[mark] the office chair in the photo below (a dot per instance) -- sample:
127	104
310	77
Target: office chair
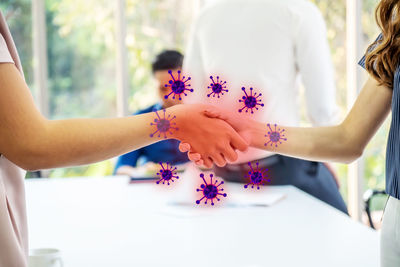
369	195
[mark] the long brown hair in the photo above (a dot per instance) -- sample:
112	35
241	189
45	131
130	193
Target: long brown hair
383	56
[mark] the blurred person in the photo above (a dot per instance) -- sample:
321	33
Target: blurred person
163	151
346	141
268	45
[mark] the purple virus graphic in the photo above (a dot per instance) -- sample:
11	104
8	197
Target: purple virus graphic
250	101
210	190
217	87
178	86
275	136
167	174
164	125
257	177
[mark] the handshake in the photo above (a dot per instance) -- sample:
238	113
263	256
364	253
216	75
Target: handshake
208	134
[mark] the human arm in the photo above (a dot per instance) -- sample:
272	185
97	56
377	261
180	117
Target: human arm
34	142
342	143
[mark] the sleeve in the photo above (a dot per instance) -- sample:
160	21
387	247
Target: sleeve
5	56
194	67
128	159
376	42
312	56
131	158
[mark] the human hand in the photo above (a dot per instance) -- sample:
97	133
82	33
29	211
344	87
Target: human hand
213	139
240	124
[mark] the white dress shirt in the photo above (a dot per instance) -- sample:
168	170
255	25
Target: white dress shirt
267	45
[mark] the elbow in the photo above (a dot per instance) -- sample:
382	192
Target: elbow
31	161
29	149
351	151
32	157
351	155
350	146
24	162
31	166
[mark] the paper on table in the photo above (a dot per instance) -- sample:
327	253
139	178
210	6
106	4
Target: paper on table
236	201
182	204
254	199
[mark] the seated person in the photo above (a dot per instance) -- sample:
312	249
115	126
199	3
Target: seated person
163	151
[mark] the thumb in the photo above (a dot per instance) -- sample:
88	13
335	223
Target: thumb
214	113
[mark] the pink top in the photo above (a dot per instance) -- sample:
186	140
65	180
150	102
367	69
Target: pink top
13	224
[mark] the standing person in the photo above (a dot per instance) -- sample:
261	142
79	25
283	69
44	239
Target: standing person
29	141
268	45
164	151
346	142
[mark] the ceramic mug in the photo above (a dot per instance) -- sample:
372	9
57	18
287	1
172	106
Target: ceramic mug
45	257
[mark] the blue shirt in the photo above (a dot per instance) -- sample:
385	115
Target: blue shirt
163	151
393	144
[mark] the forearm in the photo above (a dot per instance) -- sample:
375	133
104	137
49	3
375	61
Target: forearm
82	141
342	143
320	144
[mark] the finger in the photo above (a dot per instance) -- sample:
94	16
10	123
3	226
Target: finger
219	160
184	147
238	142
194	156
208	162
230	154
199	163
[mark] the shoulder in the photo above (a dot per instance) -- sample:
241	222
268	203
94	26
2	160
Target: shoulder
304	7
307	20
305	11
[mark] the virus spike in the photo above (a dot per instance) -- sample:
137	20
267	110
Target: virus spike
244	90
250	101
162	166
178	86
256	177
210	190
173	78
198	201
187	79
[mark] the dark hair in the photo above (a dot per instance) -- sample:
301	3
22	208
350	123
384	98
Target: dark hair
167	60
384	57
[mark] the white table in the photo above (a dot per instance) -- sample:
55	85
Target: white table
107	222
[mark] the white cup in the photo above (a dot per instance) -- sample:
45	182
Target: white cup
45	257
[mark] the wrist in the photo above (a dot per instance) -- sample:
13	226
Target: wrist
164	124
178	113
257	134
